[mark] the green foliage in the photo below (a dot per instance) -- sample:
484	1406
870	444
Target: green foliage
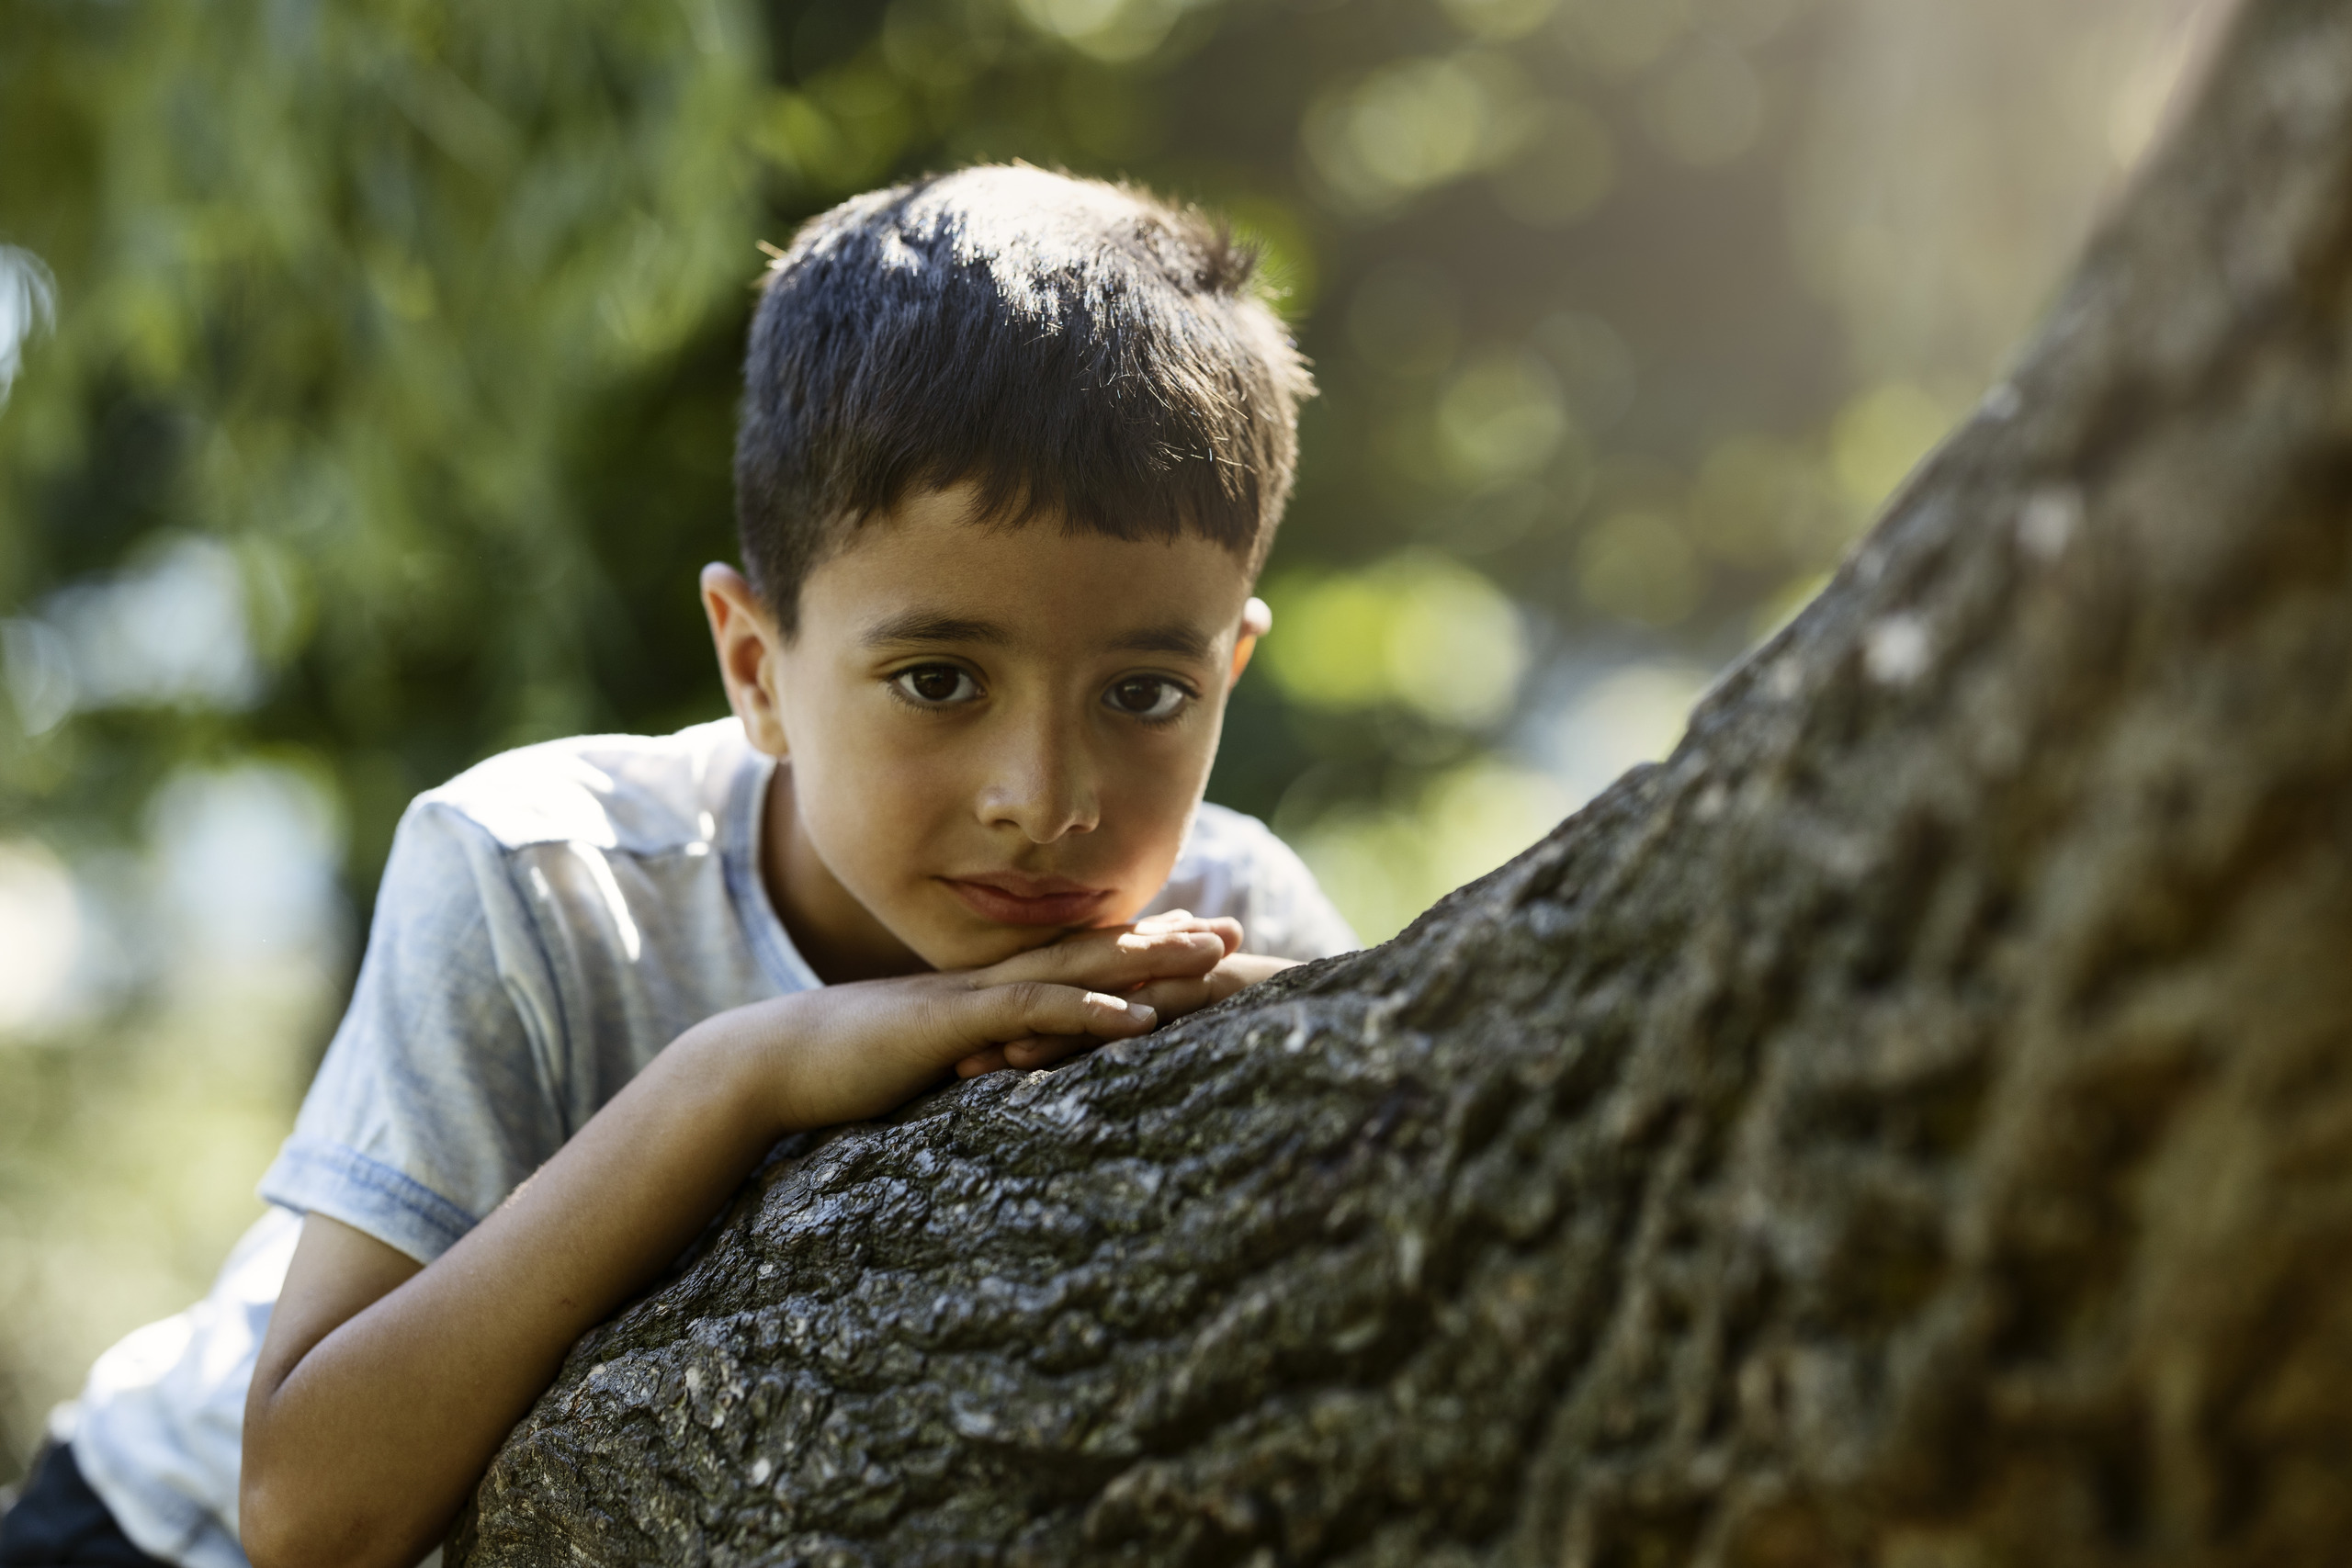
428	315
343	288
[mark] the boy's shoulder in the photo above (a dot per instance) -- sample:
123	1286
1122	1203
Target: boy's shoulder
1234	865
644	794
1219	834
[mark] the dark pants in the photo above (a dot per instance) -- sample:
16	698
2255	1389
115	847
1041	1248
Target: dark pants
57	1522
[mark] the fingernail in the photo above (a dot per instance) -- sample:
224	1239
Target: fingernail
1142	1014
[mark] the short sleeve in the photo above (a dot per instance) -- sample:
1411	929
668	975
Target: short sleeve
1234	865
437	1095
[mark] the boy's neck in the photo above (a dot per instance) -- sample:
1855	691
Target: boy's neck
838	936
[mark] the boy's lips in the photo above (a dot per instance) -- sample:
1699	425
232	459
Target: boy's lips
1011	898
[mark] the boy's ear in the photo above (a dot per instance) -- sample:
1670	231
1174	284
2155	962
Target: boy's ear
1257	620
743	637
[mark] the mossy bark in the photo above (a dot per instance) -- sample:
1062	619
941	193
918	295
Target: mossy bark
1911	1125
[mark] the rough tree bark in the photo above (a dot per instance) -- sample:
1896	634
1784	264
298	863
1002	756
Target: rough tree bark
1911	1125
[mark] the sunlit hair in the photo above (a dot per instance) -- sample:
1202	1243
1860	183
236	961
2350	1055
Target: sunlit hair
1068	347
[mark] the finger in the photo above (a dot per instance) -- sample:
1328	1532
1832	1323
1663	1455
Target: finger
1045	1050
1174	998
988	1061
1226	929
997	1015
1112	960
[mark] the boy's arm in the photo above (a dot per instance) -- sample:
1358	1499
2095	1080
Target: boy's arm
382	1389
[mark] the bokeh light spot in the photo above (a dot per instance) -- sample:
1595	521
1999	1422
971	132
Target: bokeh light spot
1638	567
40	936
1760	505
1416	631
247	857
1501	418
1455	647
1881	435
1330	645
1114	31
1415	124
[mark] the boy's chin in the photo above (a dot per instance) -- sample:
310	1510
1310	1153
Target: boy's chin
976	947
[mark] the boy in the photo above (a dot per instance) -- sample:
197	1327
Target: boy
1013	448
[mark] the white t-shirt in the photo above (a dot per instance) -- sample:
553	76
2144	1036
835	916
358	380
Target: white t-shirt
548	921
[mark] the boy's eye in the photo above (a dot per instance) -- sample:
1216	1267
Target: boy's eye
1147	697
936	685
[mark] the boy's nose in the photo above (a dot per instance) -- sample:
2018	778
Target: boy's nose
1042	782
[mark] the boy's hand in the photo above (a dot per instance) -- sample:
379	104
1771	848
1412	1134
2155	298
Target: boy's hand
849	1052
1170	997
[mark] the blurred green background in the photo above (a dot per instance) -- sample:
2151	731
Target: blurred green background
369	373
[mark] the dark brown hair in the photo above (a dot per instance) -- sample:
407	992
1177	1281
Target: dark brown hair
1066	346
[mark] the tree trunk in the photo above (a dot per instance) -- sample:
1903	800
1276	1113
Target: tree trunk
1912	1125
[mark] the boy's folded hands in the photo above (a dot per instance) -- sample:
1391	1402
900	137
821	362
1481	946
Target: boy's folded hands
853	1051
1182	973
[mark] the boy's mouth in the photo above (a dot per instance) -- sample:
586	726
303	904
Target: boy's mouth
1009	899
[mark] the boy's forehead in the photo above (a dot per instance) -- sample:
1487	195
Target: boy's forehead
927	573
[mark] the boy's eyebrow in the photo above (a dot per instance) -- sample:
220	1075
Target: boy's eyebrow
1177	638
930	625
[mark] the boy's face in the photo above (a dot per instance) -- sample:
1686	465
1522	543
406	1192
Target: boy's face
994	735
